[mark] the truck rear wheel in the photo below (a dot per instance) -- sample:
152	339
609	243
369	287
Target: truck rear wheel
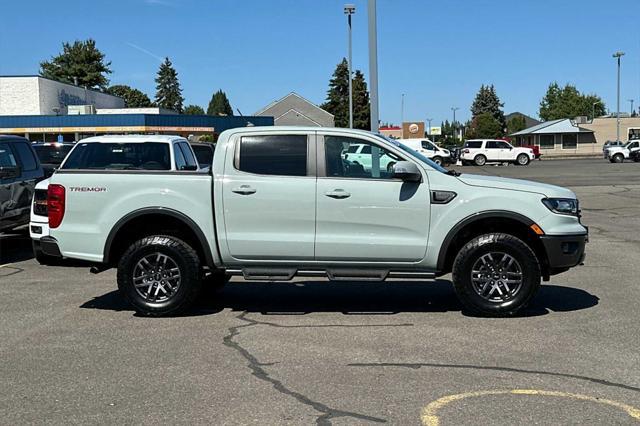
496	275
160	275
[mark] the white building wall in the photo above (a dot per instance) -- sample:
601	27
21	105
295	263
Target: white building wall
19	96
58	95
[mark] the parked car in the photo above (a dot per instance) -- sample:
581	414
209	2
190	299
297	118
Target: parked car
429	149
617	154
20	170
481	151
611	144
360	156
283	203
536	150
204	154
51	154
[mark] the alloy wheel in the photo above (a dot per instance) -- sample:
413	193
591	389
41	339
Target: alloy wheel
496	277
156	277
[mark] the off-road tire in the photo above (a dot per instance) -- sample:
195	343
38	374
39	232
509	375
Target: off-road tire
480	160
186	259
488	243
522	160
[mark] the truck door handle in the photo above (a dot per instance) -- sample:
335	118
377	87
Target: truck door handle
244	190
337	194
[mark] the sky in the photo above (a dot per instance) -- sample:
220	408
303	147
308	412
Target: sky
436	52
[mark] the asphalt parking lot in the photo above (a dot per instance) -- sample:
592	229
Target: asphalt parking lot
337	353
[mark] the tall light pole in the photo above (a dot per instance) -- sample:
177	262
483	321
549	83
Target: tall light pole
618	55
373	64
402	109
454	109
631	101
429	120
350	9
593	110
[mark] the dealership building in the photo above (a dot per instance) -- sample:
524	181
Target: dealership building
46	110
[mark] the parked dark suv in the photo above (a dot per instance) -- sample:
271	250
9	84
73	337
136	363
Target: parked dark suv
20	170
51	154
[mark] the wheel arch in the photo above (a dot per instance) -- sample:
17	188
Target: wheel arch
485	222
142	222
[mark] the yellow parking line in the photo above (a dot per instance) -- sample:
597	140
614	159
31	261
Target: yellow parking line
429	415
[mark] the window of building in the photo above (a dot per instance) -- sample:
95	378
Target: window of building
372	162
283	155
569	141
547	141
26	157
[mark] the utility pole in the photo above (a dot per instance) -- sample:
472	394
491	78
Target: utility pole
429	120
631	101
373	64
402	109
618	55
350	9
455	130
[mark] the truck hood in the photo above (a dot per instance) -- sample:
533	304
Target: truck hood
517	185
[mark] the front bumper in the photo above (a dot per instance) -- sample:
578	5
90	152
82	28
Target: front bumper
564	251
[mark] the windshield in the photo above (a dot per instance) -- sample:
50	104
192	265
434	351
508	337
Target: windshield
52	154
413	153
204	154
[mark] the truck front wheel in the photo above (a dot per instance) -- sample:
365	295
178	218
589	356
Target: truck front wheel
496	275
160	275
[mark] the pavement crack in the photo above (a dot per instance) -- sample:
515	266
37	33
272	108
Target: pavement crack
419	365
260	373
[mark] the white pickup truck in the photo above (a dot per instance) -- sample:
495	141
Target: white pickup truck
281	202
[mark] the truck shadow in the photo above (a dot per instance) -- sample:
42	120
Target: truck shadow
15	246
348	298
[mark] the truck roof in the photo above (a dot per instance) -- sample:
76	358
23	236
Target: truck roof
263	129
132	138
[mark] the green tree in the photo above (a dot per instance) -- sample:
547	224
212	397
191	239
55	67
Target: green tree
568	102
361	103
484	126
219	104
133	98
168	91
337	102
515	124
193	110
79	63
487	102
338	95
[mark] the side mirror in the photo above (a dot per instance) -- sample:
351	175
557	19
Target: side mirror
407	171
9	172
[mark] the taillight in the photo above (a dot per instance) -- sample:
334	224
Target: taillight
55	205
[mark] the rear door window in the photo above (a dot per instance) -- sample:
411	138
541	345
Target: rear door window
189	159
473	144
283	155
119	156
26	156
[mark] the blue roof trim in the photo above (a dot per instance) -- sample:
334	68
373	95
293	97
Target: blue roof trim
219	123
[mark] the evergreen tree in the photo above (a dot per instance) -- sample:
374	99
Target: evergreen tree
361	103
487	101
515	124
338	95
484	126
568	102
193	110
168	91
219	104
338	98
133	98
79	63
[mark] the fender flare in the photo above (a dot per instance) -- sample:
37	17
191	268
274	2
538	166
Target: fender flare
446	243
161	211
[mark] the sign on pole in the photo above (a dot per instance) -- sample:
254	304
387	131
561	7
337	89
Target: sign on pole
436	131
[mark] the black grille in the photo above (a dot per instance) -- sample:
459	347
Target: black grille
40	202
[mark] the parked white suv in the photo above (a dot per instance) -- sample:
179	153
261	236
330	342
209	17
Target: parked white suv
617	154
428	149
481	151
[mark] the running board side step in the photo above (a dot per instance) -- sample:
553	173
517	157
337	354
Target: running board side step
338	274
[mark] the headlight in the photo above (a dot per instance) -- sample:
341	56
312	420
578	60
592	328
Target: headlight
568	206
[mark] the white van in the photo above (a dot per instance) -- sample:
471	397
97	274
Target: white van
428	149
